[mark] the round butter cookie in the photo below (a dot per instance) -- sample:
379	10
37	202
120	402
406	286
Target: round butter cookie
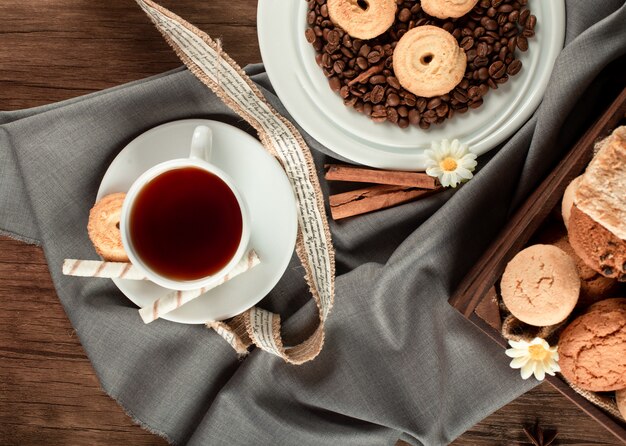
540	286
428	61
363	19
592	348
104	228
443	9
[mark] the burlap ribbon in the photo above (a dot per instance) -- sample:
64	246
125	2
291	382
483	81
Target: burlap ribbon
206	60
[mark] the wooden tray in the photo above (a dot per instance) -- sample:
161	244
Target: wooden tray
473	294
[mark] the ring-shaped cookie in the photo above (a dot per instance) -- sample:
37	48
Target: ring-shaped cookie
428	61
443	9
363	19
104	230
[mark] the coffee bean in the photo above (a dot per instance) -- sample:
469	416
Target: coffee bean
502	54
324	10
433	103
502	79
335	83
373	57
310	35
346	41
442	110
338	66
491	12
514	16
514	67
393	100
414	117
364	50
393	82
522	43
531	22
523	16
512	44
528	33
467	43
377	94
326	60
317	45
367	109
497	69
378	79
403	123
485	3
473	93
333	37
481	49
481	62
310	18
403	111
362	62
508	27
448	26
492	84
477	103
496	3
344	92
404	15
392	115
479	31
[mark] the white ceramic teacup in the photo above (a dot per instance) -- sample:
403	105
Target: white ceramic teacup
199	156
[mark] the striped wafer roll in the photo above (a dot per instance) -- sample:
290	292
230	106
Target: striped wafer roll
97	268
176	299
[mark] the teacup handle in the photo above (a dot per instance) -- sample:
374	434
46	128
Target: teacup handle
201	143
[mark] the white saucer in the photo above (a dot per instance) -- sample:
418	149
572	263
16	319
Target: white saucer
302	87
266	189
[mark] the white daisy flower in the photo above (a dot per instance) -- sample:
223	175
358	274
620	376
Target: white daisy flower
451	162
535	357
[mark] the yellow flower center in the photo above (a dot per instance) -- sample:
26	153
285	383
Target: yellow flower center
448	164
538	352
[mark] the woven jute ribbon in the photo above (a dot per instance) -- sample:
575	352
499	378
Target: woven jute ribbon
206	60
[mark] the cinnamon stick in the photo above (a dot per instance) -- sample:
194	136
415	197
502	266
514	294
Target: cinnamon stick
367	74
374	198
339	172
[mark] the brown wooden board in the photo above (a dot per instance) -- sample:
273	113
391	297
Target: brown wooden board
475	288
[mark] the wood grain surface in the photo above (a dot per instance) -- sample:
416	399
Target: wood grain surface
58	49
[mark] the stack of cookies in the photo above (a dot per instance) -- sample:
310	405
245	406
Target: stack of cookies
573	288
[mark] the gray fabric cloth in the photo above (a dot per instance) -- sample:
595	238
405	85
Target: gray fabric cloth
398	359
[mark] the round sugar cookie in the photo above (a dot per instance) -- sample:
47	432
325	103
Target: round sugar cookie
428	61
363	19
104	230
540	285
443	9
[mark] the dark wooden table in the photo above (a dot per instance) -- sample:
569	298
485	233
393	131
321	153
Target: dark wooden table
58	49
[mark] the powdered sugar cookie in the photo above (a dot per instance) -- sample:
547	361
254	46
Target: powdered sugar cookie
363	19
104	230
428	61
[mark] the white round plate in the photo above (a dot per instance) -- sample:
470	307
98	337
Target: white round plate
267	192
302	87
